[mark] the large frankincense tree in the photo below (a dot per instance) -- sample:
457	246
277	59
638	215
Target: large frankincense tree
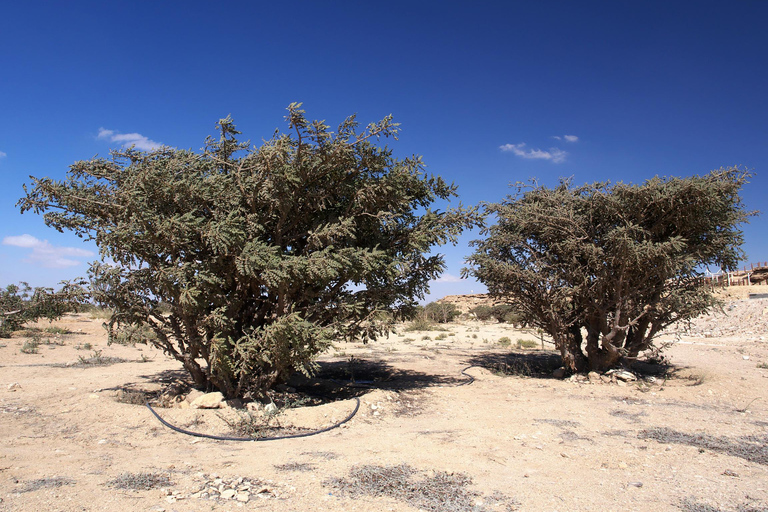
247	262
617	262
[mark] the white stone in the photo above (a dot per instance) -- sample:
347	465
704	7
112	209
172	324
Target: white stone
208	401
228	494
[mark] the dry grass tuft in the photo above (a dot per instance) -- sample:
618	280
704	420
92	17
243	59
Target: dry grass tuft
751	448
45	483
140	481
444	492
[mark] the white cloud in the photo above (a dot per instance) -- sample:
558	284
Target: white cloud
45	254
3	154
129	139
447	278
554	154
571	138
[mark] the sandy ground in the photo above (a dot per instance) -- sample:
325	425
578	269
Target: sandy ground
425	438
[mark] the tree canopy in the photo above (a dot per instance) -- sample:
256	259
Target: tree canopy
246	262
617	262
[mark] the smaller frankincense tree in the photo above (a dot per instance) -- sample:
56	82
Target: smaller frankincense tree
617	262
247	262
20	303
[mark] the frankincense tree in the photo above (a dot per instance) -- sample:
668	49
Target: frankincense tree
615	262
246	262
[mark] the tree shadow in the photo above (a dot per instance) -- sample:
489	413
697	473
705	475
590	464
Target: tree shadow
530	363
341	380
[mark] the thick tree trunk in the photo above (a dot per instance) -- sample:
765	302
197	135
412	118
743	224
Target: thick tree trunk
570	350
601	355
199	376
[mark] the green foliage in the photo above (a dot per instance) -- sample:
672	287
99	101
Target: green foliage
522	343
620	261
246	262
504	341
31	346
20	304
482	312
441	312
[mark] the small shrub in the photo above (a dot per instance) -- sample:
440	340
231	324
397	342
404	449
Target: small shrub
504	342
521	343
30	346
441	336
45	483
420	323
96	359
426	338
140	481
132	397
438	491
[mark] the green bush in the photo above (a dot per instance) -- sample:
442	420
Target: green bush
482	312
248	262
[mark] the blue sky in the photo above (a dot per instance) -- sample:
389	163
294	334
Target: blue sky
488	93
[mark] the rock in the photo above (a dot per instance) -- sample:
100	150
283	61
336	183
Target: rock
14	386
625	376
270	409
228	494
208	401
559	373
593	377
636	484
243	496
194	394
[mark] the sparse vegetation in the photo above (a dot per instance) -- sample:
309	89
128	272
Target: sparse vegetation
523	343
140	481
45	483
753	448
449	492
97	359
30	346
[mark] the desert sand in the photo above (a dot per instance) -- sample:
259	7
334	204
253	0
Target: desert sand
692	436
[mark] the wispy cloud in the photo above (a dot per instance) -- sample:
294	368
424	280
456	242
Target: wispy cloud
553	154
448	278
129	139
566	138
45	254
3	154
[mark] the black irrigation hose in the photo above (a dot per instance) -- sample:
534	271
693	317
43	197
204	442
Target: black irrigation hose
292	436
275	438
464	373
